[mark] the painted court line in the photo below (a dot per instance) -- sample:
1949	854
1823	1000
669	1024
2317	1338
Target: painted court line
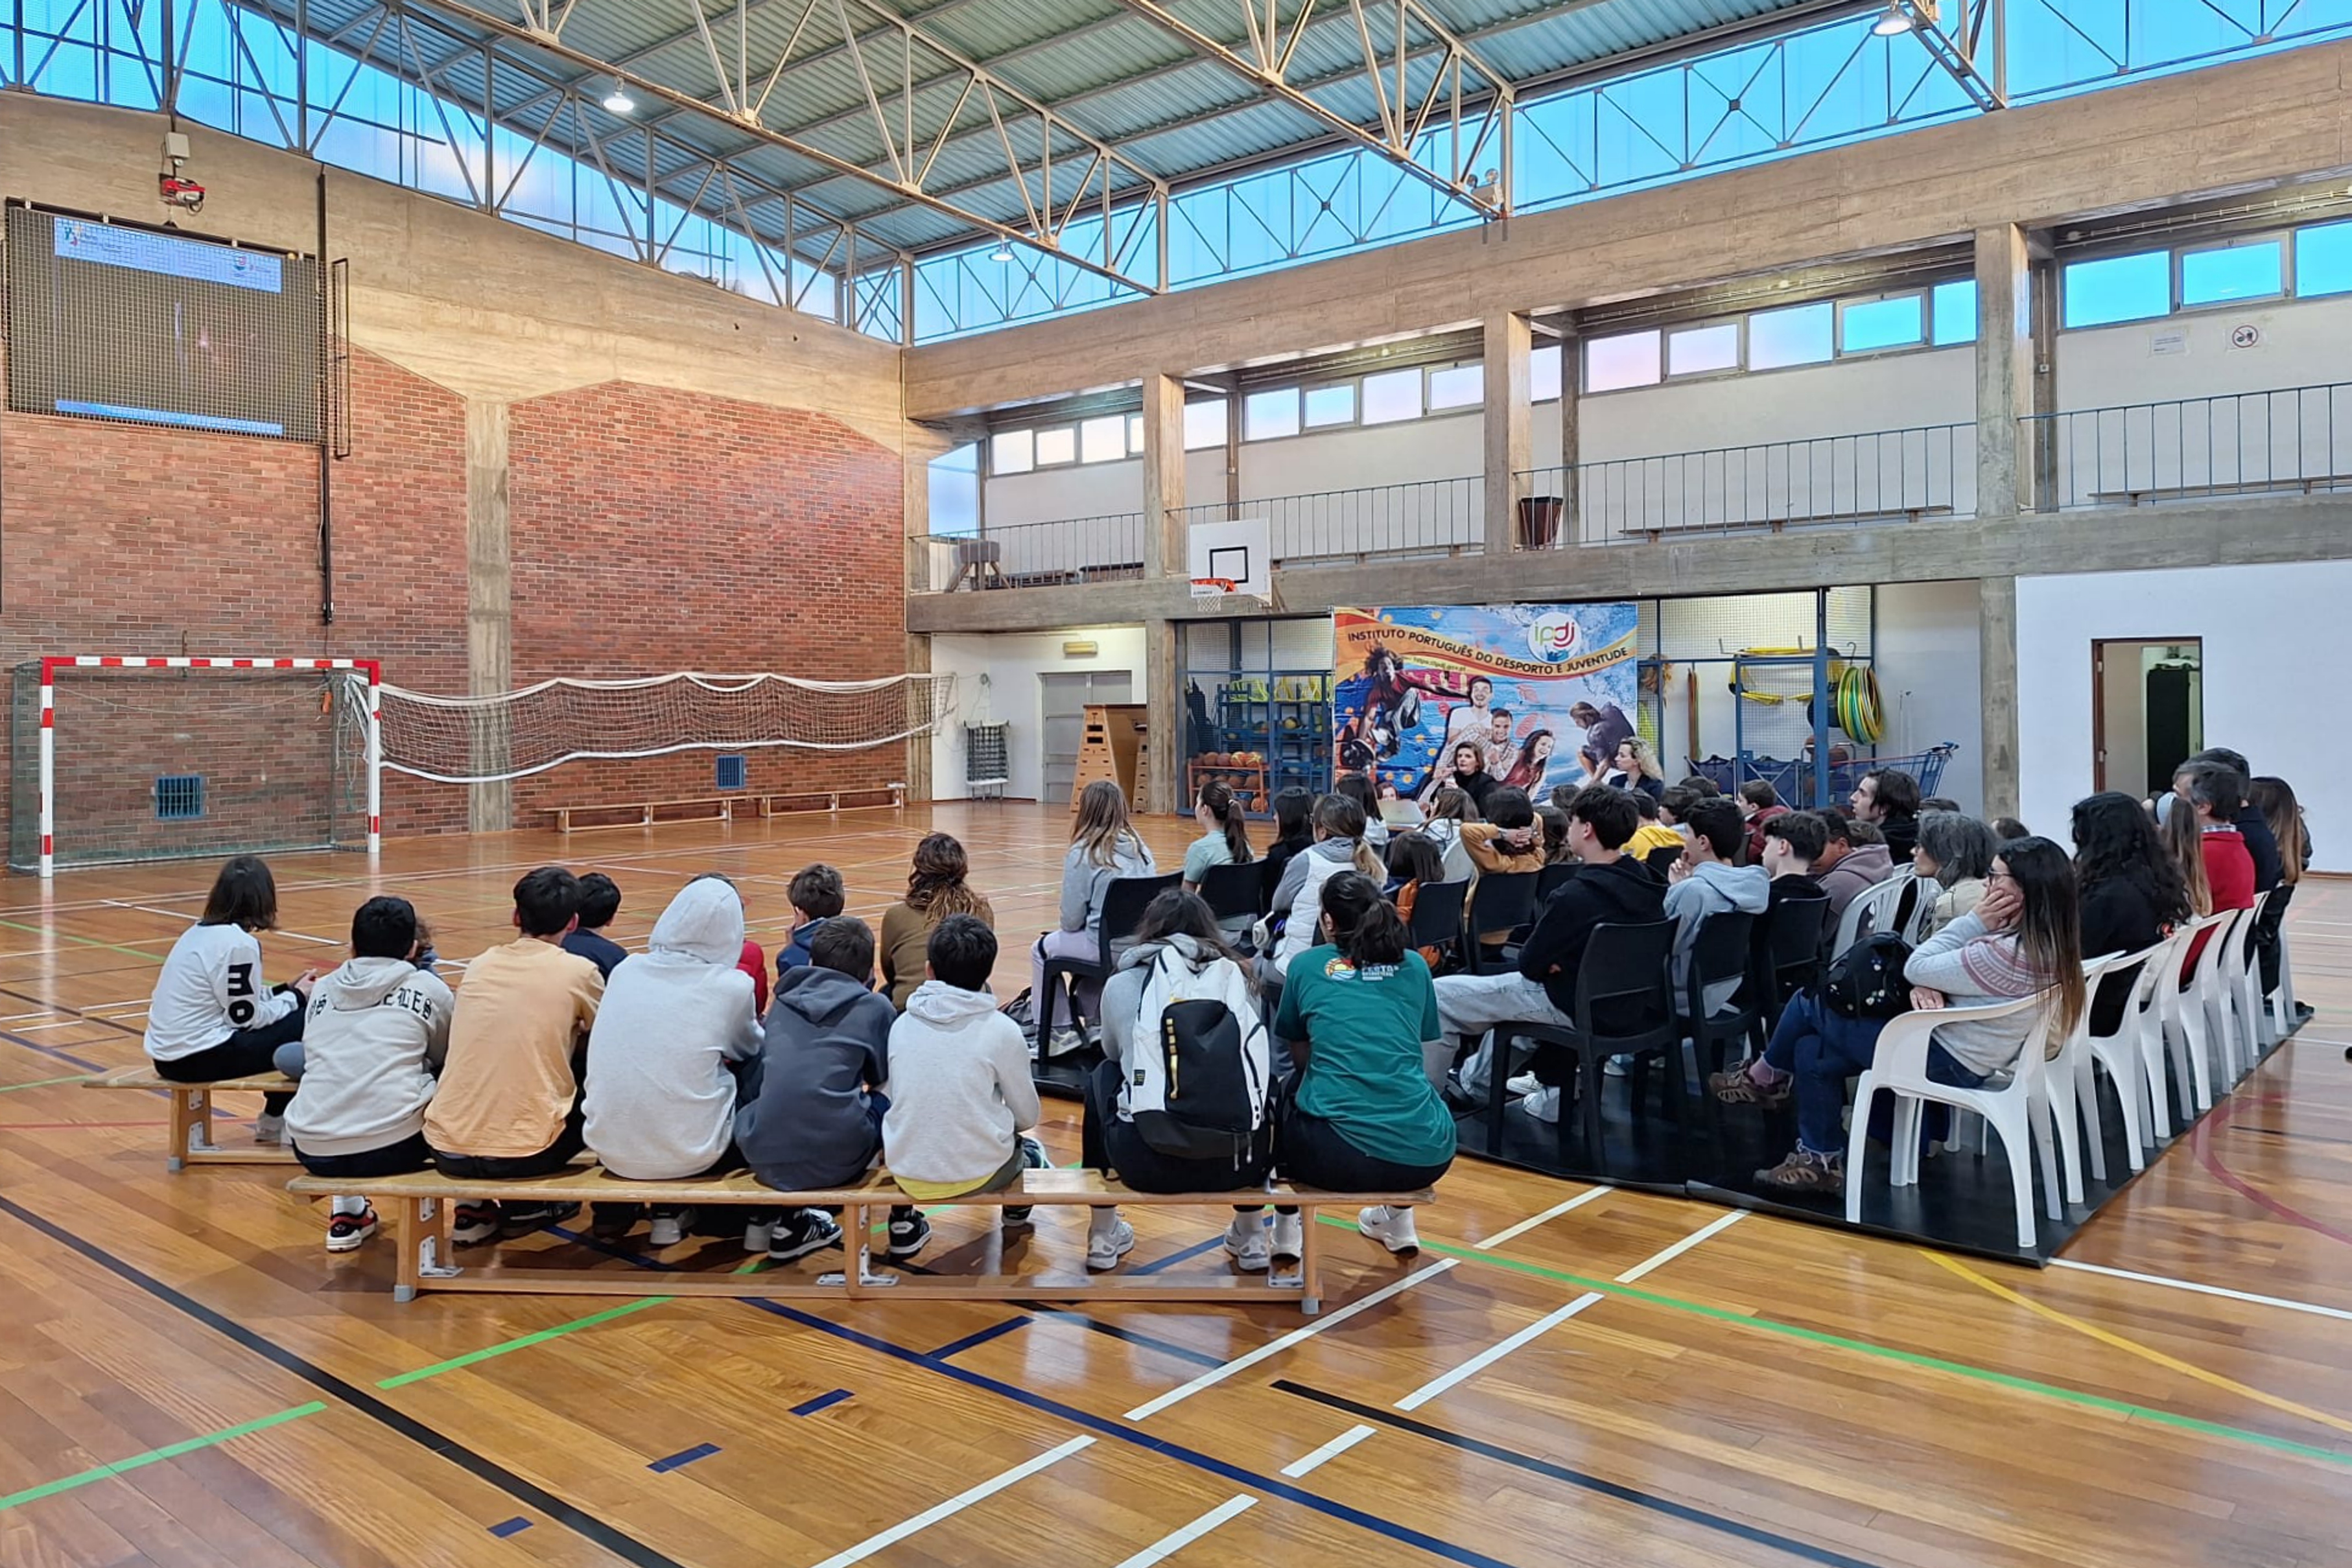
1497	1352
1167	1545
1332	1451
954	1505
2204	1290
1546	1217
1179	1395
682	1459
1659	1260
153	1456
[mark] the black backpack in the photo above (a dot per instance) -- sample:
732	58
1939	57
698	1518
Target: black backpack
1865	982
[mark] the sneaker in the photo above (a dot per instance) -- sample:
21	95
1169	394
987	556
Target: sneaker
801	1232
1738	1086
758	1232
1458	1094
1287	1244
347	1232
1245	1239
268	1131
1063	1041
1805	1171
1391	1227
1543	1105
610	1222
1106	1245
1017	1216
523	1219
473	1223
909	1232
670	1226
1522	1085
1616	1065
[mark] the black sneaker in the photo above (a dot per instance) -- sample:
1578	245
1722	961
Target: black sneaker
613	1221
347	1232
473	1223
909	1232
523	1219
801	1232
1035	1157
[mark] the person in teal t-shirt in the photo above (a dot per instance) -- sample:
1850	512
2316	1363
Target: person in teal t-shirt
1363	1115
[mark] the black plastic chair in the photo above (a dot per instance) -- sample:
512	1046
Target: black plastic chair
1721	951
1437	914
1785	958
1661	859
1551	879
1499	901
1124	901
1231	891
1630	966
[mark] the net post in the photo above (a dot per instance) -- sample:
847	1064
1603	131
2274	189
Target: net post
48	767
374	757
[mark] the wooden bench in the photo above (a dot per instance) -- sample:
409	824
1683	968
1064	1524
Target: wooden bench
714	808
1659	533
2307	485
192	1115
420	1208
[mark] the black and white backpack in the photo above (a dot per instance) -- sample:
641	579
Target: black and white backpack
1865	982
1197	1090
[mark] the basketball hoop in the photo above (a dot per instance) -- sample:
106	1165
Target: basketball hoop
1213	587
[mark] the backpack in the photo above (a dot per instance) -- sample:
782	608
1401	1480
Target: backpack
1865	982
1197	1087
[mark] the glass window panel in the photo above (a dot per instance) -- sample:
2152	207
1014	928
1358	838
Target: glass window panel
1135	434
955	491
1695	351
1543	374
1799	335
1103	440
1868	324
1458	386
2119	288
2323	260
1391	396
1629	359
1956	311
1057	444
1205	425
1012	452
1268	414
2233	272
1331	405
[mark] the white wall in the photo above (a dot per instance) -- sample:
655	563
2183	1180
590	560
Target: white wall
1013	662
2275	638
1087	490
1930	681
2302	345
1440	460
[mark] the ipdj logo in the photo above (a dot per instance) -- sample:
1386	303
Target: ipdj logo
1551	636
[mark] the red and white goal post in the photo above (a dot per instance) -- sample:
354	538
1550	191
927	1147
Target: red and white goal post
372	711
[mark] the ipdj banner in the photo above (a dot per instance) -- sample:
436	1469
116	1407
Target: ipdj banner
1544	691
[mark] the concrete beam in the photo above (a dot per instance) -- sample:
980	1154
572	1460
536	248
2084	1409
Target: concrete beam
1509	428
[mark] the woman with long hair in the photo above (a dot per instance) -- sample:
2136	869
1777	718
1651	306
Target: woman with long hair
2131	891
1104	847
1956	852
213	1015
2275	799
1176	929
1359	788
1470	775
1359	1015
1448	811
1224	833
1528	769
1635	767
1294	830
1338	846
2022	940
936	889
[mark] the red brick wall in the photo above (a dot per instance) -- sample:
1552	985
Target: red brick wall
656	531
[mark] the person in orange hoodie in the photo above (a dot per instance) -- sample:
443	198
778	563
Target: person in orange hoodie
1509	839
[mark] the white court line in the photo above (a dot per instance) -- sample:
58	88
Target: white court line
1494	1353
1169	1546
2204	1290
1554	1212
177	914
1218	1375
1657	1259
956	1504
1328	1452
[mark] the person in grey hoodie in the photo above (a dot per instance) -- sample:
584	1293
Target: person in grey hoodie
676	1021
1298	897
1855	859
960	1093
1104	847
1709	880
377	1031
809	1114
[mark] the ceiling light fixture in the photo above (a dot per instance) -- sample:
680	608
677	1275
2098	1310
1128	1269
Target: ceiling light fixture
1002	253
1893	22
618	100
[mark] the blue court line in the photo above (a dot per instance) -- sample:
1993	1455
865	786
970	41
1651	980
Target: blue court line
50	1051
683	1457
1175	1258
957	1347
1120	1332
821	1402
509	1527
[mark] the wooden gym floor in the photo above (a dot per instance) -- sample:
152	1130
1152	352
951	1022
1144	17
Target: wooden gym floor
1566	1374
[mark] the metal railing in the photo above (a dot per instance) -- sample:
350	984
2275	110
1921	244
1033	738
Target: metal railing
1873	477
1381	522
2285	439
1107	548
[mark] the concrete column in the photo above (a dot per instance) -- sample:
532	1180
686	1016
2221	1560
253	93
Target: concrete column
1510	439
917	448
489	597
1571	384
1997	664
1233	449
1163	478
1163	716
2004	371
920	786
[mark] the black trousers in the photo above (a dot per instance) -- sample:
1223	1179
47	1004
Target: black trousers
394	1159
1116	1148
506	1167
1310	1151
245	1054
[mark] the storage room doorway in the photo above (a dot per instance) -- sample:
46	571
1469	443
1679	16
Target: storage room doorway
1065	699
2147	711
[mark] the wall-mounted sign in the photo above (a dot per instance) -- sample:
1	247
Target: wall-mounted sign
2246	336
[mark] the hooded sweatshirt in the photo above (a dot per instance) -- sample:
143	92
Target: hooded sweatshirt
377	1029
1085	882
1300	897
812	1122
661	1099
960	1088
1616	893
1863	868
1122	1003
1712	888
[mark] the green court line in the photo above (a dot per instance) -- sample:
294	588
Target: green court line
44	1082
153	1456
1886	1352
490	1352
70	936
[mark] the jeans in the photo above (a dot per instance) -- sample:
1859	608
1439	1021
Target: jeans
394	1159
244	1054
1824	1049
506	1167
1474	1004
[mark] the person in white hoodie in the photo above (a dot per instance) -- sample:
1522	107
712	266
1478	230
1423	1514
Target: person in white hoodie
674	1021
961	1098
1709	880
1104	847
377	1031
1338	846
213	1016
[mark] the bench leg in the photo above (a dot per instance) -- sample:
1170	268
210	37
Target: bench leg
192	1112
1310	1263
421	1230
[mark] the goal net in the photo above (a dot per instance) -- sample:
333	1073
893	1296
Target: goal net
163	759
513	735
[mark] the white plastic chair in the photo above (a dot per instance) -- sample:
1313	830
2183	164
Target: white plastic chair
2012	1108
2122	1054
2189	1013
1876	906
2283	998
2071	1092
2243	974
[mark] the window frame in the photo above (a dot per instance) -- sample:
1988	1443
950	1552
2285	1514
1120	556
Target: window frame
1748	337
2066	287
1307	421
1667	335
1923	296
1029	464
1363	399
1584	362
1223	405
1098	421
1429	409
1297	410
1037	436
1557	350
1135	434
2282	238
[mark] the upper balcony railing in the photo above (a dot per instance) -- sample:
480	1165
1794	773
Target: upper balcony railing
1354	527
2291	440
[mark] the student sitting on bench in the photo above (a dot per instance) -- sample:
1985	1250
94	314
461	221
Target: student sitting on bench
378	1030
600	901
212	1016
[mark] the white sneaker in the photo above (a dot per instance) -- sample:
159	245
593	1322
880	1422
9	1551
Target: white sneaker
1523	1083
268	1131
1245	1239
669	1225
756	1233
1063	1041
1543	1105
1391	1227
1288	1243
1616	1065
1106	1245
